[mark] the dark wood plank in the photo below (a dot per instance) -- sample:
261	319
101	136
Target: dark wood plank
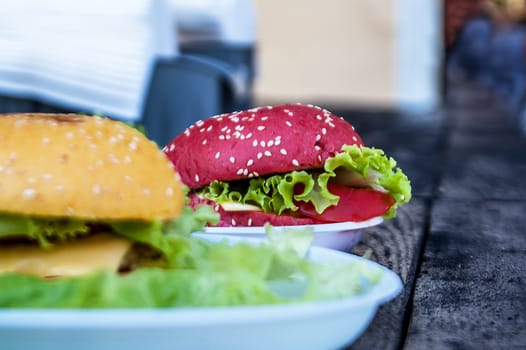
480	175
395	244
470	293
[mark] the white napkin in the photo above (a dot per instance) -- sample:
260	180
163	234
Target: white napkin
93	56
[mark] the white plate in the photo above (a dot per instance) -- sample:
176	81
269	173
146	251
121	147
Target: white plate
341	236
302	326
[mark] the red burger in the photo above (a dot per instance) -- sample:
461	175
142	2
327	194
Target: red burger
291	164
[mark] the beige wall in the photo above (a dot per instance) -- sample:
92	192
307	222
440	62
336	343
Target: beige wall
334	51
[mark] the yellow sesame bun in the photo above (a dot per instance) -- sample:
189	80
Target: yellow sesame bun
67	165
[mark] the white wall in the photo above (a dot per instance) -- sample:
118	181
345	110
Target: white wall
384	53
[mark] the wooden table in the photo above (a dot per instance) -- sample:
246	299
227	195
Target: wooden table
460	244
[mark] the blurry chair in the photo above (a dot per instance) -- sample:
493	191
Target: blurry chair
184	90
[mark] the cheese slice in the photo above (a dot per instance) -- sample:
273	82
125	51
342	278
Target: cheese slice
234	206
78	257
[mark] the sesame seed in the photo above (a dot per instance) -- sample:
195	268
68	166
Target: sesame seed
199	123
46	176
318	117
169	192
295	162
127	159
95	189
267	153
262	143
227	137
264	118
187	132
209	128
283	151
239	171
1	168
278	141
261	127
255	143
288	123
221	137
290	114
255	173
260	155
250	162
196	177
318	137
249	135
204	141
319	158
249	223
146	191
232	159
233	222
354	139
45	140
29	193
31	180
323	131
270	143
133	145
127	177
172	147
245	172
113	158
317	148
218	154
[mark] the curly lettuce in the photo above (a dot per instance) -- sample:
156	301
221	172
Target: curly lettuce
358	166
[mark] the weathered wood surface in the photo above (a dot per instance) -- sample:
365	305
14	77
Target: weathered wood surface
460	245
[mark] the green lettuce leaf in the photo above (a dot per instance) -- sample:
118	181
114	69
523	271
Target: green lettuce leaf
368	167
211	274
41	229
165	237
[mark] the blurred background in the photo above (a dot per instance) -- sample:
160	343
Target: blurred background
165	64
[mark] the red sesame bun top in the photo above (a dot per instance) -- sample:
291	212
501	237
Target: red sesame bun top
257	142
